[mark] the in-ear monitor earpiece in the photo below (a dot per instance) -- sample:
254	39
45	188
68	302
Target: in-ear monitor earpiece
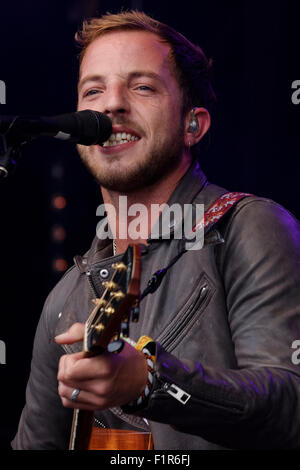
193	126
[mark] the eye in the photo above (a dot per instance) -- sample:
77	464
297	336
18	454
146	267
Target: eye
90	92
144	88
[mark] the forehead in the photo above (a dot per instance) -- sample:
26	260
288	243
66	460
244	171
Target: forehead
124	50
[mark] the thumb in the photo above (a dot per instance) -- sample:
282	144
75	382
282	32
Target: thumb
72	335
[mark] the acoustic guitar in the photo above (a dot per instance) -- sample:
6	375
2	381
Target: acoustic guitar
109	318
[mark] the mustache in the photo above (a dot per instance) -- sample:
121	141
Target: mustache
123	121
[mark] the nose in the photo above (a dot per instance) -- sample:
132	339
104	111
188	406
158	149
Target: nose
115	101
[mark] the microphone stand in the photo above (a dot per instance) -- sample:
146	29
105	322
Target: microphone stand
9	156
10	151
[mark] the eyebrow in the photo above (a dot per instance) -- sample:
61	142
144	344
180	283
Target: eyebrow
132	75
146	73
90	78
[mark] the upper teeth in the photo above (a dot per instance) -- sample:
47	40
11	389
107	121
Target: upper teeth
120	138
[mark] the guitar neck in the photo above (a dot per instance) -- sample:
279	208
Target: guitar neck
103	327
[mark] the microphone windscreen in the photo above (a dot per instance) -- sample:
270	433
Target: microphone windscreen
86	127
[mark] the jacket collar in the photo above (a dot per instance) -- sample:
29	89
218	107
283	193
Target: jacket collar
192	182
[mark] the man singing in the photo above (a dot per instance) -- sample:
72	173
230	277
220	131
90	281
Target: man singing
220	326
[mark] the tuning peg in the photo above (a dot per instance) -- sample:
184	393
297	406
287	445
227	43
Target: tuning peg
125	327
99	327
99	302
119	266
119	295
109	311
110	285
135	313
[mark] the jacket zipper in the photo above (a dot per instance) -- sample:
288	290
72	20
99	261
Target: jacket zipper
91	284
99	423
176	392
168	337
183	397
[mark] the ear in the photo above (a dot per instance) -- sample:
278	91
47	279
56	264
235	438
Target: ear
202	117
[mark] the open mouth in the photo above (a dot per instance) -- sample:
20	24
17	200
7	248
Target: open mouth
120	138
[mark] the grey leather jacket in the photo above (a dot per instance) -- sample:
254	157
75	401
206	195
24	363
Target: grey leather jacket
224	320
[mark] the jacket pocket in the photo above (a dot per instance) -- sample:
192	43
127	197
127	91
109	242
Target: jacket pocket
185	319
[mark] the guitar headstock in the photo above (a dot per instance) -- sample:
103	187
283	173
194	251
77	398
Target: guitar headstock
113	308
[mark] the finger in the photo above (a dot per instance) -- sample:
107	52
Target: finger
66	366
85	399
75	333
79	368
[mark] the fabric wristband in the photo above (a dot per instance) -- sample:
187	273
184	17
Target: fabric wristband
148	347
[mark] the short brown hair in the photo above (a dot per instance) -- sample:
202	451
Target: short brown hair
191	67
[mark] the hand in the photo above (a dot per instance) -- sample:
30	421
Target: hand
104	381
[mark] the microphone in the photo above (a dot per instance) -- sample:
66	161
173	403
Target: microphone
83	127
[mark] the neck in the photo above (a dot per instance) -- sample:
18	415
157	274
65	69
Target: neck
133	224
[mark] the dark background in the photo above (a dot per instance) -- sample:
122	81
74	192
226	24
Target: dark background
254	146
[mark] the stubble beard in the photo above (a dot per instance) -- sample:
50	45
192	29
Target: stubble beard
161	160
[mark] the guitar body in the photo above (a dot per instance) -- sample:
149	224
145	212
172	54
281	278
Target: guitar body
102	330
119	439
86	436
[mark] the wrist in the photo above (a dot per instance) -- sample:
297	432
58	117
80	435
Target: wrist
148	348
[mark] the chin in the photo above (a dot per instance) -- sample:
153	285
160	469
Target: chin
122	174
